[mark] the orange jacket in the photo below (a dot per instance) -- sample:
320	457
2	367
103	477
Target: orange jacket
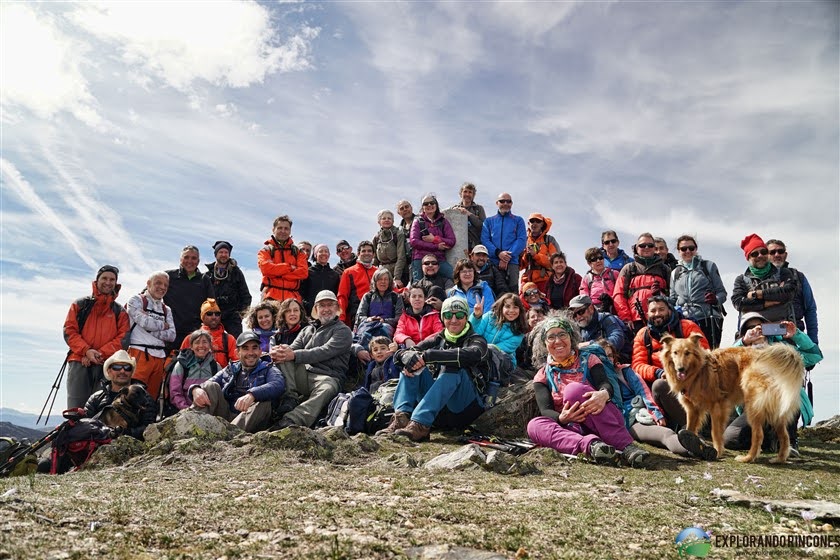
537	267
218	345
283	268
355	283
647	368
102	331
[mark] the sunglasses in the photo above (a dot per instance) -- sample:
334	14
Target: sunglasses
342	249
580	311
645	245
609	241
534	221
757	252
594	259
214	313
688	248
122	367
505	201
532	292
458	315
778	251
430	263
429	203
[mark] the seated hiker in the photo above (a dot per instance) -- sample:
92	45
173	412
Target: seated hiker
224	345
524	353
117	369
599	282
431	237
381	367
243	392
355	283
469	286
442	382
487	271
291	318
594	325
419	320
193	366
503	327
638	281
379	310
531	296
262	319
738	435
432	276
563	284
315	364
578	406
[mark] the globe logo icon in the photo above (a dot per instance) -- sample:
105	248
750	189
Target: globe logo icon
693	541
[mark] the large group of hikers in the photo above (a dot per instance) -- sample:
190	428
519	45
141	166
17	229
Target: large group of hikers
433	342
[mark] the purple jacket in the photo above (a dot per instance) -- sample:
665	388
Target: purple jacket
440	228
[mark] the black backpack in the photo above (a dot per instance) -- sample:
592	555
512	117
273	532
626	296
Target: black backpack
77	440
85	305
350	411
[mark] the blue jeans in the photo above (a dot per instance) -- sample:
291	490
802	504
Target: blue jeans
445	269
424	398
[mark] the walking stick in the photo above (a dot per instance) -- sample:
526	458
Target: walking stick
54	391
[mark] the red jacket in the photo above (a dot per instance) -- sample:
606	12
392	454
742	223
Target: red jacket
635	283
218	345
102	331
417	328
283	269
354	283
647	368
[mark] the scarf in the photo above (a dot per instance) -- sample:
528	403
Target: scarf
647	261
762	273
453	338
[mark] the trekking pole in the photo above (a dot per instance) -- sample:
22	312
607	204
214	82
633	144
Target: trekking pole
53	392
20	454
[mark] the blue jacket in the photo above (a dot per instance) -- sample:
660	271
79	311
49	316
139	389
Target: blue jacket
619	261
386	370
611	328
480	288
266	381
504	232
500	336
632	386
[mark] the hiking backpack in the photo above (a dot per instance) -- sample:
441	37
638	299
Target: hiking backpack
165	406
350	411
77	440
85	306
126	340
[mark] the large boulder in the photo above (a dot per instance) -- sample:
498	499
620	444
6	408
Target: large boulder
515	406
190	424
472	457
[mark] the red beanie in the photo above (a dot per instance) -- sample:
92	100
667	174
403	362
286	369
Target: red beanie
751	243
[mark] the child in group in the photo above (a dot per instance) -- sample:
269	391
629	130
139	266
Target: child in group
531	295
389	247
524	353
419	321
262	319
381	367
504	327
380	309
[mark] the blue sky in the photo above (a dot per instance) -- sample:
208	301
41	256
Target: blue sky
132	129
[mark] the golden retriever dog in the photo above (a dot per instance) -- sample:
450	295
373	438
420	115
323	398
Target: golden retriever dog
765	380
126	409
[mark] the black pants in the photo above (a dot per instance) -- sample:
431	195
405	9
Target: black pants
738	435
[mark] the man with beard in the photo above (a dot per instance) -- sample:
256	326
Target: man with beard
232	293
594	325
243	392
646	276
315	365
224	345
94	329
763	287
661	319
188	288
432	276
474	213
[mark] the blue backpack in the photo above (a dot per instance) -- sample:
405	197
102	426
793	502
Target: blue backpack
609	368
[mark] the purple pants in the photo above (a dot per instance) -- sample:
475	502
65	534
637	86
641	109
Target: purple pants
607	426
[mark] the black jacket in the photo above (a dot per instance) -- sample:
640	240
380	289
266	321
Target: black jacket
100	399
232	295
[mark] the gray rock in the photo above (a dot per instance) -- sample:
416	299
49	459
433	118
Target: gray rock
333	433
449	552
515	406
828	511
467	457
402	460
309	443
505	463
189	424
366	443
833	422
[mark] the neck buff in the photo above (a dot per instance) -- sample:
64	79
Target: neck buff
453	338
761	272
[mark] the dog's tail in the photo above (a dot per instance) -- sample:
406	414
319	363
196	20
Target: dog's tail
781	365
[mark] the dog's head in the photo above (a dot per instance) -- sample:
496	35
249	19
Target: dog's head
681	357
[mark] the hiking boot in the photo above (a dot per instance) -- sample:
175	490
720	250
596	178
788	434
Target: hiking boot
398	421
285	422
415	431
695	446
634	456
600	452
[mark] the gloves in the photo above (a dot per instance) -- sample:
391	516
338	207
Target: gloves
410	359
710	298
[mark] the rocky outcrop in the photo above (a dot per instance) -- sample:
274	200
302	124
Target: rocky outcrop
515	406
190	424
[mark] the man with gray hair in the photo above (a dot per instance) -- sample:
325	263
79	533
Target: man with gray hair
315	364
474	212
152	326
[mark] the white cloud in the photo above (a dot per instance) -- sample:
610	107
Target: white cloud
42	66
223	43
